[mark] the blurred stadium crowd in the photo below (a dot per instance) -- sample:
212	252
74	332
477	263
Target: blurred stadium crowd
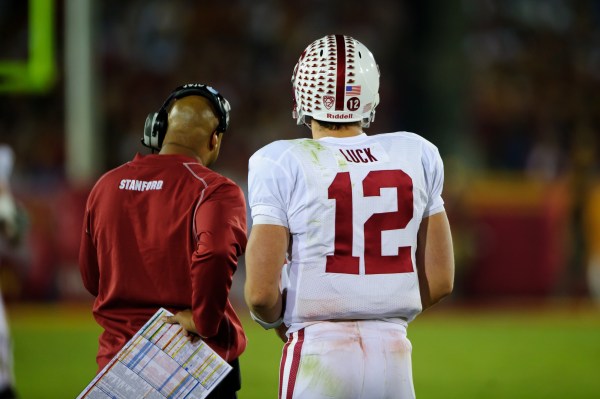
508	90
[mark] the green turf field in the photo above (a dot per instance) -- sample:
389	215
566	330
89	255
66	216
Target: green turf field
457	353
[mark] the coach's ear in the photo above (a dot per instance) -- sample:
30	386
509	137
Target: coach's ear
215	140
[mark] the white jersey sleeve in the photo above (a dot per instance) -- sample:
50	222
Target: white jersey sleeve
270	184
353	207
434	179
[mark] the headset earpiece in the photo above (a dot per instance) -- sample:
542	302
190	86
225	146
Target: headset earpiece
155	129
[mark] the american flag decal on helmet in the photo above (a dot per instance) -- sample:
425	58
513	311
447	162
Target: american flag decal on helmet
353	90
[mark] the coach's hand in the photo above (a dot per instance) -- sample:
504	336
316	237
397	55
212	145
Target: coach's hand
185	320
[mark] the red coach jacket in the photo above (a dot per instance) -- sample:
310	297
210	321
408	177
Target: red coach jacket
163	231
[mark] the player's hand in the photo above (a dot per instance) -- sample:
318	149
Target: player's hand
280	331
185	320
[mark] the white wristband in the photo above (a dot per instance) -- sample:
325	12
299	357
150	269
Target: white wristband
264	324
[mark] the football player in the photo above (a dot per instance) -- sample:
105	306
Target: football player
359	224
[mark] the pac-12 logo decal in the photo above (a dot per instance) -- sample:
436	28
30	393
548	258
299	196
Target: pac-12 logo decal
353	103
328	101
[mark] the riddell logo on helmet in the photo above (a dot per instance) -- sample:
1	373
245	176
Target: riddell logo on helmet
339	116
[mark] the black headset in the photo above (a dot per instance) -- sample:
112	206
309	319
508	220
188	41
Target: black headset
156	124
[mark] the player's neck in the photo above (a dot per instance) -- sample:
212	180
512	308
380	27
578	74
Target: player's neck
319	132
173	148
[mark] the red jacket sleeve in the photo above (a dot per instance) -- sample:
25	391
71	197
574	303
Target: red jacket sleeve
221	231
88	261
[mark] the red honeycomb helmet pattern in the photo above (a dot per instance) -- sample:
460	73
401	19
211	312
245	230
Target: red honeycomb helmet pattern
336	79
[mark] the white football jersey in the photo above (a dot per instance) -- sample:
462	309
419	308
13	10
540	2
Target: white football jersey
353	207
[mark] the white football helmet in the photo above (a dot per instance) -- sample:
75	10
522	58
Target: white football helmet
336	79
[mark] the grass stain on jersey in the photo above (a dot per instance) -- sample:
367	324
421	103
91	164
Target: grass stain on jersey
321	379
314	148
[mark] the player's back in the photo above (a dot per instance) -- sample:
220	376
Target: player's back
353	207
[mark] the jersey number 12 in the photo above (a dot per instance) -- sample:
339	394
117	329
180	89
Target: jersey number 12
340	190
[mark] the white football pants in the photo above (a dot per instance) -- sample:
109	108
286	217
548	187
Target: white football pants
367	359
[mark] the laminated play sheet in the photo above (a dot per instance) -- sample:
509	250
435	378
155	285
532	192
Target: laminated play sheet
159	362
